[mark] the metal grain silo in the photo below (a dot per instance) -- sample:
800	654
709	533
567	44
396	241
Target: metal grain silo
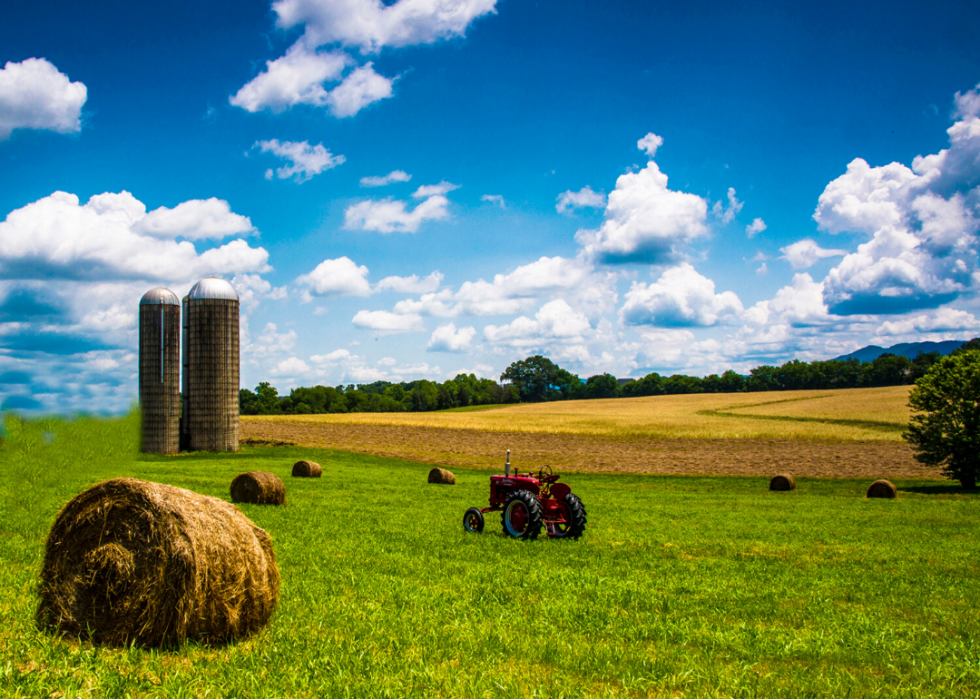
159	362
212	366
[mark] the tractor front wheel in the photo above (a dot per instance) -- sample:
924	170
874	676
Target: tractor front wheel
522	516
473	520
573	512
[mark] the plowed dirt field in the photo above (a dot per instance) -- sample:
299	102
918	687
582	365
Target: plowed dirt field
571	453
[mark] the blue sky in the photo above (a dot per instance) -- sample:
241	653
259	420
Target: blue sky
413	189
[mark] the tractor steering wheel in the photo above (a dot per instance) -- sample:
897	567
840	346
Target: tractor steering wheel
541	472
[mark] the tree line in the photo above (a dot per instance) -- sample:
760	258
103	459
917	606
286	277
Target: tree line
537	378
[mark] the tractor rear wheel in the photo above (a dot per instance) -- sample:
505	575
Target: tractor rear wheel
573	512
473	520
522	516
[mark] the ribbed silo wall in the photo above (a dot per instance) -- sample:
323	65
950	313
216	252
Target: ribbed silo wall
212	374
159	378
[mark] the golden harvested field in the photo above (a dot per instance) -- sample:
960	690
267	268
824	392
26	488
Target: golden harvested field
842	433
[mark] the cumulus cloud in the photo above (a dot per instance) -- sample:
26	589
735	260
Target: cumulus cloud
295	78
584	198
339	277
109	238
411	285
269	343
805	253
363	86
386	322
494	199
392	215
680	298
36	95
645	221
253	289
292	367
393	176
968	104
555	323
446	338
305	161
755	228
371	25
942	320
922	222
649	144
728	213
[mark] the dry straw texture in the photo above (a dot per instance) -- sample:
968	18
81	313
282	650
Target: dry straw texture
878	414
258	488
783	481
307	469
882	489
134	562
441	475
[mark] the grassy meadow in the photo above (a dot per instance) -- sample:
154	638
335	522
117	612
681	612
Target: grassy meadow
681	586
851	414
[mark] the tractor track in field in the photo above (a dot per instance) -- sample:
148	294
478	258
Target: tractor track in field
571	453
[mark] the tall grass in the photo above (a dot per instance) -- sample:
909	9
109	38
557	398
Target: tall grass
681	587
864	414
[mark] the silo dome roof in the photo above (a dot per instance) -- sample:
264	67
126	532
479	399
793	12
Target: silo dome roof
159	297
213	288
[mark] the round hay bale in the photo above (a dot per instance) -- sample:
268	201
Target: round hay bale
258	488
307	469
882	489
441	475
128	561
782	481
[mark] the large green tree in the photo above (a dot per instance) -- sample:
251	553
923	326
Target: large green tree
944	430
539	379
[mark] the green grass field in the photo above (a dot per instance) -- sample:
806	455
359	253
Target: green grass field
681	587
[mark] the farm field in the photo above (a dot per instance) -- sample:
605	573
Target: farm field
852	433
681	586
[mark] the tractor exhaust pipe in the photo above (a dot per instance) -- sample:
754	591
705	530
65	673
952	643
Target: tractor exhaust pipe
507	465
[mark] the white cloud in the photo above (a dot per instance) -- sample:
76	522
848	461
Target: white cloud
645	221
106	239
555	323
295	78
410	285
393	176
293	367
446	338
755	228
387	322
943	320
494	199
269	344
371	25
680	298
433	190
339	277
584	198
252	289
805	253
35	95
799	305
968	104
728	213
340	355
363	86
649	144
762	269
197	219
391	215
305	160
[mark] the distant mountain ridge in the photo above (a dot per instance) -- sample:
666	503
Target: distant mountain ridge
905	349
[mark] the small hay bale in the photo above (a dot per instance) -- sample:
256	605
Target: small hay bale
441	475
307	469
128	561
258	488
782	481
882	489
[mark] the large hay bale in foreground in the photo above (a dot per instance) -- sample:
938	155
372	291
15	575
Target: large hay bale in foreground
782	481
882	489
307	469
258	488
134	562
441	475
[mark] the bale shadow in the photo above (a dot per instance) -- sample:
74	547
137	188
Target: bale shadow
945	489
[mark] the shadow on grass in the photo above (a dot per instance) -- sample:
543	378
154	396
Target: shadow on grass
943	489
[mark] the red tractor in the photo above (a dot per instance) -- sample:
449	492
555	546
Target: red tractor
527	503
